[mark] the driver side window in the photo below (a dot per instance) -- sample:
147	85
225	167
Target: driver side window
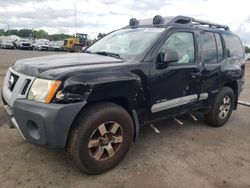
183	44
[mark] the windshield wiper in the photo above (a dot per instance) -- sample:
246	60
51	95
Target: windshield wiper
87	51
108	54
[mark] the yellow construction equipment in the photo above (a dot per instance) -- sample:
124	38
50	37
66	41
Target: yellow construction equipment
77	43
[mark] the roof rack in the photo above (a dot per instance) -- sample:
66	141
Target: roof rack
185	20
196	22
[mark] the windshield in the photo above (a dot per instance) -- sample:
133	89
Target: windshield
126	43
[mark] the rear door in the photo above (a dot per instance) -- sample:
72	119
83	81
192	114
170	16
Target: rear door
213	57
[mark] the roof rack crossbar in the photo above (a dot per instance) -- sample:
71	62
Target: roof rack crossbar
193	21
210	24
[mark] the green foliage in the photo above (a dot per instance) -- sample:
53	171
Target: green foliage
1	32
24	33
41	34
61	36
247	49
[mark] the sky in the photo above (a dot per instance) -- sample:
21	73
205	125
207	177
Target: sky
94	16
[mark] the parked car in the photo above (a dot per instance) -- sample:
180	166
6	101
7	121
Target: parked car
94	103
23	44
56	45
41	46
7	45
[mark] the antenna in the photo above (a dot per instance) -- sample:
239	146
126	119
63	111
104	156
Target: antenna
76	26
75	17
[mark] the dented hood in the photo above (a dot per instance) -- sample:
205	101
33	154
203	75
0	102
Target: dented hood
55	64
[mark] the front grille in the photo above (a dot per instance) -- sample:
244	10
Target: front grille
26	44
17	89
12	81
26	86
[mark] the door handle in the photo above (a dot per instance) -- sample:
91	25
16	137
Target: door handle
196	74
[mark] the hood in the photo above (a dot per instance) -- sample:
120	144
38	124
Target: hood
56	64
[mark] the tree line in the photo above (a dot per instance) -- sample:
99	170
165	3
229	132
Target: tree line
36	34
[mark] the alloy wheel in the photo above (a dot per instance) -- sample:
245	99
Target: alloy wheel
105	141
225	107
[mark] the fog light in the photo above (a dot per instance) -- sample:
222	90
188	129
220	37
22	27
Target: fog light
33	130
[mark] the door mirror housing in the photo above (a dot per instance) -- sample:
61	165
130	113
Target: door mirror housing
163	59
171	56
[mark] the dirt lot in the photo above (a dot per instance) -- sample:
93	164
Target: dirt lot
192	155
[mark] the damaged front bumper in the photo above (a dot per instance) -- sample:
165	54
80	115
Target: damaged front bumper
12	121
37	122
43	124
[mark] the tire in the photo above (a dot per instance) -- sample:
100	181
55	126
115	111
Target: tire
90	149
77	48
221	109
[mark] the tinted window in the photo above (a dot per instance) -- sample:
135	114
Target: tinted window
209	51
183	44
219	46
234	44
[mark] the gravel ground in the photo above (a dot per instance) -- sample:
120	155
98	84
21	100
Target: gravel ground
192	155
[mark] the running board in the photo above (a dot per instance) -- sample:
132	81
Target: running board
244	103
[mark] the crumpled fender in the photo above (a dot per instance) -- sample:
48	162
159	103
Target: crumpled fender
90	88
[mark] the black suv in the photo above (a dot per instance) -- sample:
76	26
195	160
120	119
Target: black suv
94	103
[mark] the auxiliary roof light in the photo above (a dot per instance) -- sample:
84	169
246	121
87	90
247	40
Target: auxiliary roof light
158	20
133	22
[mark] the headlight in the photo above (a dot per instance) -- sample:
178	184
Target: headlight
43	90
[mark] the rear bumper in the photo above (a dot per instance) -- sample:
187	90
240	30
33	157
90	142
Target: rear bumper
44	124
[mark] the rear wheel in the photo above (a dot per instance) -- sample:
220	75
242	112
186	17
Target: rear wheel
221	109
101	138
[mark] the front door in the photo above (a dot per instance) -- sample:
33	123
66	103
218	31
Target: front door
175	88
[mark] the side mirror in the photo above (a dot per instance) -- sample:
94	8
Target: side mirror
164	59
171	56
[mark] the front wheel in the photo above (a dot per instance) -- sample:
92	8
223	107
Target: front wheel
221	109
101	138
77	48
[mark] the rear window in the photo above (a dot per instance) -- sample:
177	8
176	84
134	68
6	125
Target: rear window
235	46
